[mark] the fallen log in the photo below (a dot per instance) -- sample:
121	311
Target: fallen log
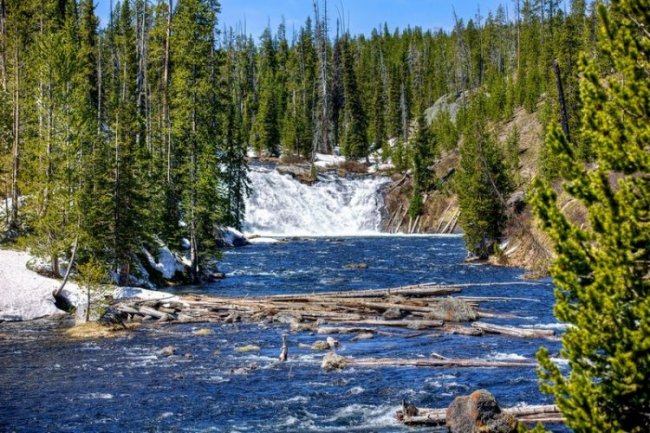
326	330
437	362
513	331
148	311
489	315
411	324
418	290
525	414
462	330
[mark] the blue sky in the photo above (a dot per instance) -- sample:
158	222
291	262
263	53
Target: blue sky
362	15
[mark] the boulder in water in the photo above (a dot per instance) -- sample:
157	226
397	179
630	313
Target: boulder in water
247	348
359	266
478	412
451	310
228	237
301	172
167	351
332	361
332	343
320	345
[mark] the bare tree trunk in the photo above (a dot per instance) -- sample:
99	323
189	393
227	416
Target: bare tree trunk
321	34
3	45
15	166
518	38
57	292
404	112
165	82
88	304
99	88
563	107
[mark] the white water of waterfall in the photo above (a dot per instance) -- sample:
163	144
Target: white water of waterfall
281	206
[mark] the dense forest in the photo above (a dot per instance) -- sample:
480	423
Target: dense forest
137	133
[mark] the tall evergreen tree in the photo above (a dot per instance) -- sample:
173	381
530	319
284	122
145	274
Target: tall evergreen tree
355	139
482	185
266	130
195	120
601	270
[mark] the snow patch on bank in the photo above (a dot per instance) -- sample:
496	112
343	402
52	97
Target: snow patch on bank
26	295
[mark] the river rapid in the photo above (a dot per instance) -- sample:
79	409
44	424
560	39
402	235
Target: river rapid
50	383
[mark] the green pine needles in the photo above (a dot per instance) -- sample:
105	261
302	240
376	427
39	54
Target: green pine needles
483	185
602	270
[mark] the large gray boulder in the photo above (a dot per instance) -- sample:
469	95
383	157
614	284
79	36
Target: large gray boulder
478	413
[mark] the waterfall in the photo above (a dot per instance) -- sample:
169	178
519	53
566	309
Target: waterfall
281	206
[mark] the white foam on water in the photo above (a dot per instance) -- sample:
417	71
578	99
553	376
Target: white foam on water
500	356
299	399
558	326
356	390
96	396
371	416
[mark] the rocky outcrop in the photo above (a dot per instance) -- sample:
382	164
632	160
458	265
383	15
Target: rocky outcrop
478	413
229	237
440	211
451	104
301	172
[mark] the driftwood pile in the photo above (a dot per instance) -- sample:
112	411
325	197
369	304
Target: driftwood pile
418	307
526	414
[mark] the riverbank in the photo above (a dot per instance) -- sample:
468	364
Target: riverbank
27	295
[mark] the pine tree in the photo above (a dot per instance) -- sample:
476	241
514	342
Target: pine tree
195	116
54	187
423	152
266	128
355	139
482	185
129	196
235	167
601	270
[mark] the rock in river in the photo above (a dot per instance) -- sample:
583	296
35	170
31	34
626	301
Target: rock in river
356	266
478	412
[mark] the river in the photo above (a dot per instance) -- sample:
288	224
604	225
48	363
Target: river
49	383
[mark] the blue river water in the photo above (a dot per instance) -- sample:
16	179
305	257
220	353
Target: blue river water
50	383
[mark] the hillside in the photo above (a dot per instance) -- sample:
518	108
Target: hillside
524	244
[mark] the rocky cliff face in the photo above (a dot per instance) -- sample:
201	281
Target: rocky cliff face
439	208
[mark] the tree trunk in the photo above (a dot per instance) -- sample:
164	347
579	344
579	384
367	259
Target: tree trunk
58	291
54	260
165	82
88	304
15	163
562	100
3	45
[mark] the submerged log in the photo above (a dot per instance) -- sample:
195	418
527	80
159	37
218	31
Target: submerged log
411	324
437	362
513	331
343	330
